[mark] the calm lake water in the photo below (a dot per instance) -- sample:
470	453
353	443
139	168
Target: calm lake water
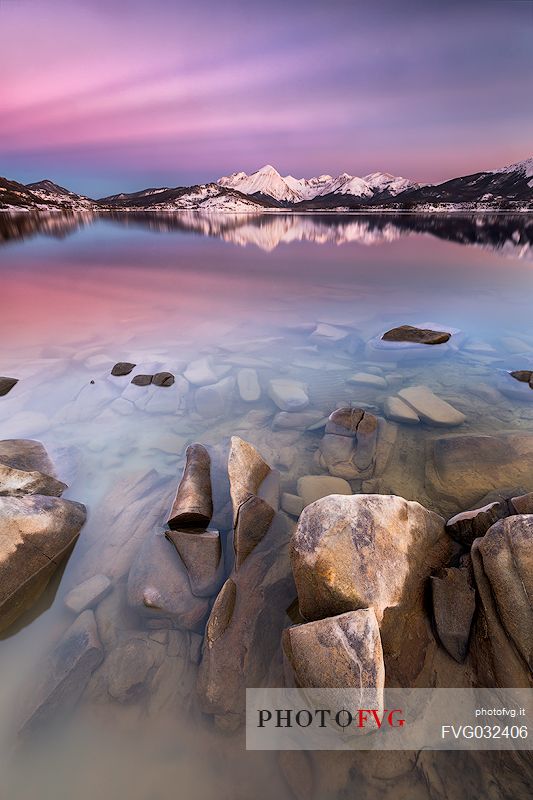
80	293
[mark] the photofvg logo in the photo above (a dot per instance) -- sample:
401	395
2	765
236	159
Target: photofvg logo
361	718
392	719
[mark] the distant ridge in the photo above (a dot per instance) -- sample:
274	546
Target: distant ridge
508	188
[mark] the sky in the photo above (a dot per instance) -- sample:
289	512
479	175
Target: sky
106	96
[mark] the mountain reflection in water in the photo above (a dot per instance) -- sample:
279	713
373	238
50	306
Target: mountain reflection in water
505	233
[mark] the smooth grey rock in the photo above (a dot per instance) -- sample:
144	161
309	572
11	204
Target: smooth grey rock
296	420
368	379
87	594
65	675
397	410
215	400
248	384
292	504
430	408
287	394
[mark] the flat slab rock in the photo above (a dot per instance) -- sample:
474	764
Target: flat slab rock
397	410
408	333
288	395
66	673
314	487
88	594
430	408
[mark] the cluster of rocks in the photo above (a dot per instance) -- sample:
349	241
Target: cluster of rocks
362	566
416	404
38	528
159	379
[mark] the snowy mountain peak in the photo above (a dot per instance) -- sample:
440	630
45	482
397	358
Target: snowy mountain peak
521	166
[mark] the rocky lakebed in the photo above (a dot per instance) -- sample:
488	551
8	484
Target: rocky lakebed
361	524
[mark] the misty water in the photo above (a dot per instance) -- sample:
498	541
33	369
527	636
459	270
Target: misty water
82	292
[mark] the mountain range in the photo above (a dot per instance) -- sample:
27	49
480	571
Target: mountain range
509	188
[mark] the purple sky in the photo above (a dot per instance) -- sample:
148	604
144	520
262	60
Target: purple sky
108	95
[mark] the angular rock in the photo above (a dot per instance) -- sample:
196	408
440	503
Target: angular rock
26	454
66	673
522	504
314	487
122	368
408	333
159	586
127	669
368	379
6	384
287	394
371	551
397	410
193	504
522	375
244	629
16	483
142	380
201	372
163	379
215	400
430	408
454	603
36	533
366	441
201	552
341	652
252	515
345	421
503	634
506	553
470	525
87	594
248	384
348	449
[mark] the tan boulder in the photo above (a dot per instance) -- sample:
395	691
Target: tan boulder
17	483
26	454
337	652
503	568
371	551
454	603
36	533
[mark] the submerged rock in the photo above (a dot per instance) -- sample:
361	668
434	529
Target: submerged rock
368	379
287	394
292	504
66	674
159	587
296	420
350	446
215	399
465	468
430	408
6	384
201	552
408	333
122	368
313	487
454	603
87	594
37	532
248	384
397	410
342	652
193	504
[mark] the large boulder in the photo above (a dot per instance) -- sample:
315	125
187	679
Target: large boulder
503	568
26	454
371	551
18	482
36	533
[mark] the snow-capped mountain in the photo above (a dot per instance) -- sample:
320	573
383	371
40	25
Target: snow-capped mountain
508	188
267	182
52	193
